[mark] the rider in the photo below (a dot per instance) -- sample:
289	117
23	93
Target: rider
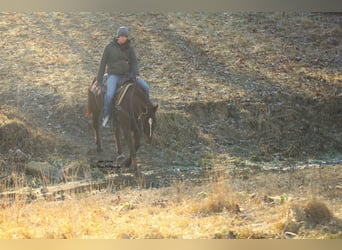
120	61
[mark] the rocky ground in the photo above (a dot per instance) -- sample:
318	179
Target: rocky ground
249	94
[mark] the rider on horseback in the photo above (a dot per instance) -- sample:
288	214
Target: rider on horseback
121	63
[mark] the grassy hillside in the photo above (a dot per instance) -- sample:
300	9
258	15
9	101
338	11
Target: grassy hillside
248	143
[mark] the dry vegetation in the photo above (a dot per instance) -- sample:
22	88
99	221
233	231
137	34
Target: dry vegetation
249	139
182	211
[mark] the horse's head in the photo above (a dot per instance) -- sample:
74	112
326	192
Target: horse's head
148	122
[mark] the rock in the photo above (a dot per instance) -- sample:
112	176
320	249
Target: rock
289	235
76	170
21	156
268	199
44	170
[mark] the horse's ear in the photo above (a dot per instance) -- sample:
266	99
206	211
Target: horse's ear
155	107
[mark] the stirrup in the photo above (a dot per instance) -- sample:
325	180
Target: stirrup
105	122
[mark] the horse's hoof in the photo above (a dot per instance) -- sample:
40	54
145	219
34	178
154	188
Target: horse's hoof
128	162
137	173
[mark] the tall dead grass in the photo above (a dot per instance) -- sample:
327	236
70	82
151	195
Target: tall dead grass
215	209
181	211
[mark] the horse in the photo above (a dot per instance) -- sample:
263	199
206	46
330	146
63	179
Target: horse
134	115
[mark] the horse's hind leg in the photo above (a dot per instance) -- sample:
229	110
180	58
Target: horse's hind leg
96	127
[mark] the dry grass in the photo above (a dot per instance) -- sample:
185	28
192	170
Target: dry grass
136	214
184	211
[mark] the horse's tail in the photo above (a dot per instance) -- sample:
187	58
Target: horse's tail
88	109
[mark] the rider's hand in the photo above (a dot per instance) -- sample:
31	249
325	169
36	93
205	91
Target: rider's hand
134	78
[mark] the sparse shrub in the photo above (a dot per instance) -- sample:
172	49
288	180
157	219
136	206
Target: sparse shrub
219	200
312	213
317	212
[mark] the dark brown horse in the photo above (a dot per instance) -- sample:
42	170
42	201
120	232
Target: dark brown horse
134	116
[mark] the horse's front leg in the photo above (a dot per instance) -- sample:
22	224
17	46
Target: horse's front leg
119	154
128	139
136	140
135	135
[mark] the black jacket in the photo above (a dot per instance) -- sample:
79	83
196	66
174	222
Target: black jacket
119	59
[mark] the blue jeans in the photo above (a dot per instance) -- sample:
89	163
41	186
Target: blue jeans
112	84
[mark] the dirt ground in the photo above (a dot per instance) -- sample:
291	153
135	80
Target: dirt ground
253	95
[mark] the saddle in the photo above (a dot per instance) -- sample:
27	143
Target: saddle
123	86
122	90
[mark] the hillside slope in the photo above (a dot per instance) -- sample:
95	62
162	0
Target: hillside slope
269	83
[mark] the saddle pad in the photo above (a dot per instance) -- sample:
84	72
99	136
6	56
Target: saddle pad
98	89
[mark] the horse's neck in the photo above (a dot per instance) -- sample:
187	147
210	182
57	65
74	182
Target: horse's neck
143	97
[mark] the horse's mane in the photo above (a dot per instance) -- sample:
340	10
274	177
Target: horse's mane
143	95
